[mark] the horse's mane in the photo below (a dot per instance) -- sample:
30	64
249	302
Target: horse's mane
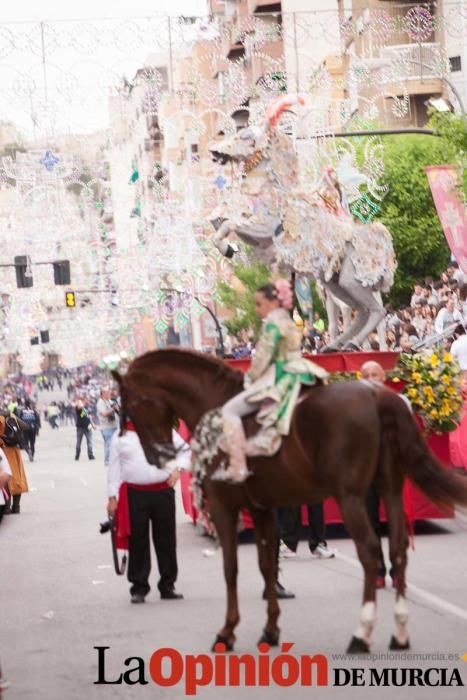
176	357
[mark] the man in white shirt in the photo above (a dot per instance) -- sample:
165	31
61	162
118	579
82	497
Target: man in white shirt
459	347
107	412
145	498
447	316
5	475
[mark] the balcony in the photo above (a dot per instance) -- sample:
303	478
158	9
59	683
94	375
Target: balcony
416	61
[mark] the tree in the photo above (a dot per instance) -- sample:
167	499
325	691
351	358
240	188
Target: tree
452	129
409	212
240	299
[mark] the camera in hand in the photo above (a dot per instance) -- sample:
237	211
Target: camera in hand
106	527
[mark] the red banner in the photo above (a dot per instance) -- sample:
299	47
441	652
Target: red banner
445	187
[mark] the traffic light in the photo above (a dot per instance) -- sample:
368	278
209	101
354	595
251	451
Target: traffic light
23	271
70	300
35	340
45	338
62	272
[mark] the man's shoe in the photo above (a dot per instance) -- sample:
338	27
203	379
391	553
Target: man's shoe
137	598
171	595
91	457
281	592
285	552
380	582
322	551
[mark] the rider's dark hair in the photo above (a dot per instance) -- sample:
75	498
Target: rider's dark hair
269	290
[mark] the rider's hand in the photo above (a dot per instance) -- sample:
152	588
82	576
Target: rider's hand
174	477
112	506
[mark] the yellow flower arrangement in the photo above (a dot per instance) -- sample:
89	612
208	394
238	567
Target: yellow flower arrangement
434	388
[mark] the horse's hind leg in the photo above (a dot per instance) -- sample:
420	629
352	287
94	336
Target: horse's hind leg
226	521
359	527
398	543
265	530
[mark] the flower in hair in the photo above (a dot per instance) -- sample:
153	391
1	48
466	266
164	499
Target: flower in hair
284	293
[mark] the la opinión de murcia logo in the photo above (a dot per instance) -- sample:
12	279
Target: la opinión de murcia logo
167	667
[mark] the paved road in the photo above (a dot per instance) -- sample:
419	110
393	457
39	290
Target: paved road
60	598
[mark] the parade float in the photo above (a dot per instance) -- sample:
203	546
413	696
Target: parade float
431	381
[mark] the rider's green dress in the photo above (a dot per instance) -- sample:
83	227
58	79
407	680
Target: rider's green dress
278	371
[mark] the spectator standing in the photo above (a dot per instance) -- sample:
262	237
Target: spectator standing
52	414
5	475
447	315
107	413
146	494
30	416
18	483
318	323
84	428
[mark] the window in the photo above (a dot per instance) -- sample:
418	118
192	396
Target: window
455	64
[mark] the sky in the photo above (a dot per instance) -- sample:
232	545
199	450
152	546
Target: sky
22	65
23	10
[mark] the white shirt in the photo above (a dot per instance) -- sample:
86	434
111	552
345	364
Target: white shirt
127	462
443	319
459	351
4	464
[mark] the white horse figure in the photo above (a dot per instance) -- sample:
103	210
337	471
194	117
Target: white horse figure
336	310
309	233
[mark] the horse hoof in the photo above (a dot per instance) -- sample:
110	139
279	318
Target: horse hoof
271	638
228	643
395	645
358	646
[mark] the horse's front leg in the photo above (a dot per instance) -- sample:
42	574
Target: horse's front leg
265	529
226	521
220	239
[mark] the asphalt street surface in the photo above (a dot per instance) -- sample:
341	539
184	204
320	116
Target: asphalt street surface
61	598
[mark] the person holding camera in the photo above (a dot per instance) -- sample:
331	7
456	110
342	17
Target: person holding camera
107	411
84	428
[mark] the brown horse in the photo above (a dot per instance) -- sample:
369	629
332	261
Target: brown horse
343	437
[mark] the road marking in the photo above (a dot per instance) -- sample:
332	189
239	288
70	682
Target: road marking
84	482
52	484
420	592
97	583
104	566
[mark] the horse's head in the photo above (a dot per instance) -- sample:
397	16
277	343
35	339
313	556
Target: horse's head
243	146
153	419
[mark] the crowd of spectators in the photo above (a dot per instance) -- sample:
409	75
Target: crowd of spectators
435	306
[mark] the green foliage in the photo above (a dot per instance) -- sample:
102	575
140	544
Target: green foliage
409	212
242	303
452	128
318	304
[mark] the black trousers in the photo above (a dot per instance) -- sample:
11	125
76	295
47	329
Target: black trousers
155	511
30	439
290	526
372	506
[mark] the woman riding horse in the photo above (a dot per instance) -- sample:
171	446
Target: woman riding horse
272	384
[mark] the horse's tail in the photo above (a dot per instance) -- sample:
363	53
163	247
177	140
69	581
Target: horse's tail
401	436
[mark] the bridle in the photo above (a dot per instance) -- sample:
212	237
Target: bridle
161	450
